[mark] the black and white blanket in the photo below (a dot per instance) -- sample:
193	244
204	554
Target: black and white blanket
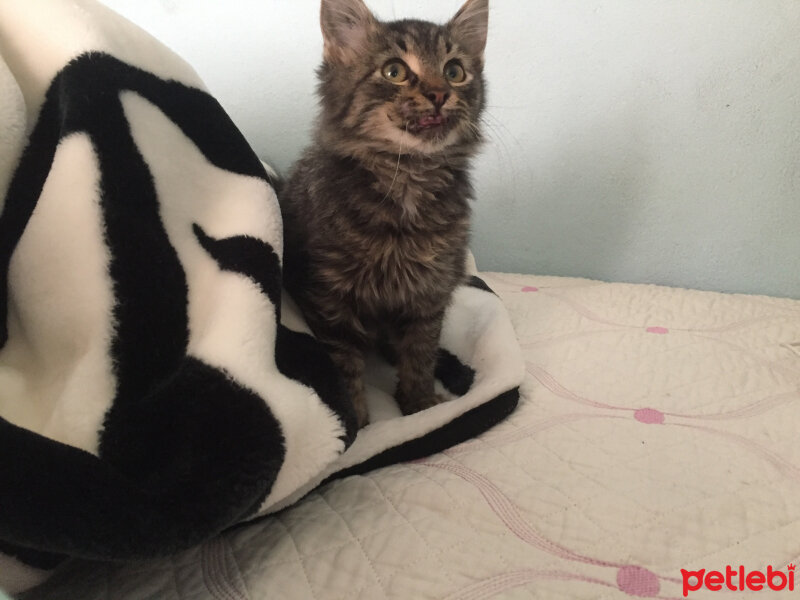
156	386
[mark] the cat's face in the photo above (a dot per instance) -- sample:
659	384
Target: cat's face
405	86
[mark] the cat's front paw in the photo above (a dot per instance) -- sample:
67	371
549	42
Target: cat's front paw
362	412
409	406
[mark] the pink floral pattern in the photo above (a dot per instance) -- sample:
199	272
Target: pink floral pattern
657	430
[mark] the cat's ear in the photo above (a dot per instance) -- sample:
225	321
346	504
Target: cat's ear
346	26
470	26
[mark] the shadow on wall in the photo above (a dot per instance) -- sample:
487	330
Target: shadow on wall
580	202
640	196
649	143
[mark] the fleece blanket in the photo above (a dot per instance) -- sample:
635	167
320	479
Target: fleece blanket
156	385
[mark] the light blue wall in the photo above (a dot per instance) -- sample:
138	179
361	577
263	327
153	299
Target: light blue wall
631	140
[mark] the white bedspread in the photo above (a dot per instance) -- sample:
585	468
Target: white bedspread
657	432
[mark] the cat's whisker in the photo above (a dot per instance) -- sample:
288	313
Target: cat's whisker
507	107
496	123
504	154
397	167
496	135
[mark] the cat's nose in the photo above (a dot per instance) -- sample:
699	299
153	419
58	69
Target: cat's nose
438	97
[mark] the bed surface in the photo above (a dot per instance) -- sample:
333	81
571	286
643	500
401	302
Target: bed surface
656	432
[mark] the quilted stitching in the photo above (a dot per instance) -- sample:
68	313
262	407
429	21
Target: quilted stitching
657	431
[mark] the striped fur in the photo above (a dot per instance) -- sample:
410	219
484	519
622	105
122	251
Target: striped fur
376	211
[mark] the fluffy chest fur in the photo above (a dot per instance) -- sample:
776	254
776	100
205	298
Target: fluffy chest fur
393	241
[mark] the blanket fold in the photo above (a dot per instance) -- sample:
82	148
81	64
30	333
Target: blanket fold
156	385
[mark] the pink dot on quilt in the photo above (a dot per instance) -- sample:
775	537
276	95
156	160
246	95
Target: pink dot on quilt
529	288
638	581
658	330
649	416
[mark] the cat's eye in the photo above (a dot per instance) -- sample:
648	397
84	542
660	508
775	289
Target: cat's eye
454	72
395	71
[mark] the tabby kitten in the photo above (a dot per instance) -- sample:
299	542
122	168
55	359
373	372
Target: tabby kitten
375	212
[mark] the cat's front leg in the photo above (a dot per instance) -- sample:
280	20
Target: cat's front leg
417	351
345	339
349	360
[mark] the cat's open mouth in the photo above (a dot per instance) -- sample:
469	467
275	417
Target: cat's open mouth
428	123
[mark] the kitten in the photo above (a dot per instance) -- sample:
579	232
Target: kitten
375	212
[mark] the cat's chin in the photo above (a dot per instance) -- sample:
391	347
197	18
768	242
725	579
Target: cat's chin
425	141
